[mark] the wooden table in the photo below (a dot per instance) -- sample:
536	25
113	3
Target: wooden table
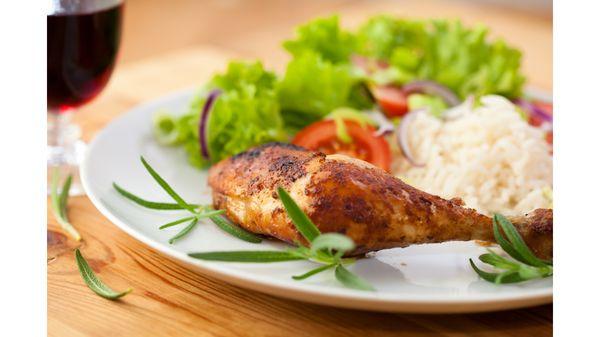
170	300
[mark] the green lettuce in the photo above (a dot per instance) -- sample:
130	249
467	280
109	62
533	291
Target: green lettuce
256	106
324	37
461	58
245	114
464	59
381	36
320	77
312	87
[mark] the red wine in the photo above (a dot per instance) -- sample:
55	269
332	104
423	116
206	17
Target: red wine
82	49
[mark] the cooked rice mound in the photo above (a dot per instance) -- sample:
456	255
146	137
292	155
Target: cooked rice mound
488	156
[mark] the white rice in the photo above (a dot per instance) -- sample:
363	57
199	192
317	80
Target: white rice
488	156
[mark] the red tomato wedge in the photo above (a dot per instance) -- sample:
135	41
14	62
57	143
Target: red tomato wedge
392	100
322	136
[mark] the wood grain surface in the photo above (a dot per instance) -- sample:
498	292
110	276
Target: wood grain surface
170	300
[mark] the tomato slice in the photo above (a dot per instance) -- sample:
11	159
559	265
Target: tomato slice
392	100
322	136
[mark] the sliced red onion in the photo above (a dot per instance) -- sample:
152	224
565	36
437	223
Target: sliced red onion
385	126
432	88
533	110
402	136
203	126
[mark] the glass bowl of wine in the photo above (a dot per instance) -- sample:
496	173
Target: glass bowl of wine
83	39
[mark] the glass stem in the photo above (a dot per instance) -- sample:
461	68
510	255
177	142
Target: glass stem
65	149
58	124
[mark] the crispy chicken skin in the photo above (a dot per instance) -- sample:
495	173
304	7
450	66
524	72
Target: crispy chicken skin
350	196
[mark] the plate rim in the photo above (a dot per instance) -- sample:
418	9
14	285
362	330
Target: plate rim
331	296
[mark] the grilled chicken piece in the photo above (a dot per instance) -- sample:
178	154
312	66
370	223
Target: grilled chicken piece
345	195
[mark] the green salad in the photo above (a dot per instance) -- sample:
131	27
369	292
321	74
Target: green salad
332	67
245	113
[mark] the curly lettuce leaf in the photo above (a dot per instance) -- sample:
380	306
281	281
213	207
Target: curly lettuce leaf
244	115
320	78
324	37
383	35
312	87
257	107
460	58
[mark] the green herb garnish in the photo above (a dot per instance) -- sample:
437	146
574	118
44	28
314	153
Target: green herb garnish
184	231
302	222
234	230
350	280
146	203
93	282
198	212
248	256
59	204
326	249
523	266
165	186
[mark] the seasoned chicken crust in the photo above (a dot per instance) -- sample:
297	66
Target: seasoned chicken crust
345	195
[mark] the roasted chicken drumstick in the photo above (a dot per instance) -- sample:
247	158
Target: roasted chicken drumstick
350	196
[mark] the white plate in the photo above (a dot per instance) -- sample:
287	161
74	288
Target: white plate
428	278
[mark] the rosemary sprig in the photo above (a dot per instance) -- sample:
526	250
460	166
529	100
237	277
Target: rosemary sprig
326	249
350	280
167	188
146	203
198	212
303	223
523	266
176	222
59	204
93	282
234	230
184	231
313	272
248	256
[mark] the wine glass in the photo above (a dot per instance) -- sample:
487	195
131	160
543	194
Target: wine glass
83	40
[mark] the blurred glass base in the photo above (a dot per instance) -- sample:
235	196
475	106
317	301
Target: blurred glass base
65	153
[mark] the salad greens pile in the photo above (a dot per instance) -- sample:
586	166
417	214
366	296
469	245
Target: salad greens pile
256	106
444	51
312	87
325	37
246	113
